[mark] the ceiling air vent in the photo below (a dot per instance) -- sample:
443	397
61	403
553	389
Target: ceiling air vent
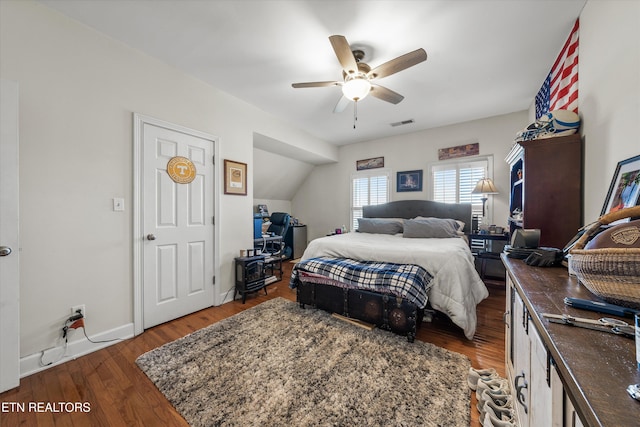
402	123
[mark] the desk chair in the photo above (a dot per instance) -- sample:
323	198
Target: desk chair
279	227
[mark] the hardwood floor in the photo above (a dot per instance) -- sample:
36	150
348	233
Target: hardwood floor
117	393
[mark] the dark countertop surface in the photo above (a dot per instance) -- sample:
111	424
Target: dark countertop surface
596	367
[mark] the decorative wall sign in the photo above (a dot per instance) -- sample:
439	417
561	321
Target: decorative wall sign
181	170
235	178
376	162
459	151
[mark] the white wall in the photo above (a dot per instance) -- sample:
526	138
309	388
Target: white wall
277	177
609	93
323	200
78	92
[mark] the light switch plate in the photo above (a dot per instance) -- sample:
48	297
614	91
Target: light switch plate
118	204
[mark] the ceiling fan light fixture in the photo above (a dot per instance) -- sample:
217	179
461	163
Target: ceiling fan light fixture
356	88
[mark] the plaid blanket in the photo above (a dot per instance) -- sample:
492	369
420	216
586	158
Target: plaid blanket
407	281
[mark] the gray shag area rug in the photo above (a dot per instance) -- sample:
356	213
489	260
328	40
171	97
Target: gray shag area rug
277	364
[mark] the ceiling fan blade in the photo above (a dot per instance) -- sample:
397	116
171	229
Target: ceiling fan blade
385	94
400	63
315	84
342	104
345	55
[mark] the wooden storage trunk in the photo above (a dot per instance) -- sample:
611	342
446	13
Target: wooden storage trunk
385	311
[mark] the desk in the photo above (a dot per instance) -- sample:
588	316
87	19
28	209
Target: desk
260	241
271	261
487	255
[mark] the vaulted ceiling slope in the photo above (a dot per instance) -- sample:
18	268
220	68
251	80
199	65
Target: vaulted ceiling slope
277	177
485	57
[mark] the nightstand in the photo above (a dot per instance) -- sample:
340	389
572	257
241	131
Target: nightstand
486	256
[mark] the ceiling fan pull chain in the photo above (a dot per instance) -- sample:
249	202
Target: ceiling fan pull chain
355	113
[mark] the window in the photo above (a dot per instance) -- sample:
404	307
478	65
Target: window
368	188
454	181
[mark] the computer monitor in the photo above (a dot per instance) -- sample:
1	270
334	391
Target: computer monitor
263	210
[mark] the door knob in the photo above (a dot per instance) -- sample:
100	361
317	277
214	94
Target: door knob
5	250
151	237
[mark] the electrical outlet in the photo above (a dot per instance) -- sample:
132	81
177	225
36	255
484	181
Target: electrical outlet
75	308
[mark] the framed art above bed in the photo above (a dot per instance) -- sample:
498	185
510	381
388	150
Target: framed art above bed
373	163
409	181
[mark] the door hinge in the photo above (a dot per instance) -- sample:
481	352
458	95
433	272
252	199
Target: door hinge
213	159
213	220
214	280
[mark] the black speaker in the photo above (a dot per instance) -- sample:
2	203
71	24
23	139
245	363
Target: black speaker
529	238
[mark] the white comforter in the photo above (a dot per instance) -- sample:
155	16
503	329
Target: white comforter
456	288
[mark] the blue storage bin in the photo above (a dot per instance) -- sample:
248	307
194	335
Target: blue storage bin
257	226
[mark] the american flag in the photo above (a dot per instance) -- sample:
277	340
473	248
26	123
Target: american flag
560	88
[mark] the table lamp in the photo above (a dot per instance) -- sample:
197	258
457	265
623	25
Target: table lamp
485	186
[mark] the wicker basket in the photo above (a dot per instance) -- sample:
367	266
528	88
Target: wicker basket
610	273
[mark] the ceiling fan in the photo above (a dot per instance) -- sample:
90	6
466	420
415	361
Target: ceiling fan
358	76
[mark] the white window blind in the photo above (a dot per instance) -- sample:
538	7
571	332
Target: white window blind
453	182
370	188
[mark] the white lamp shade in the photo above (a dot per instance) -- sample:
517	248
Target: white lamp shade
356	89
485	186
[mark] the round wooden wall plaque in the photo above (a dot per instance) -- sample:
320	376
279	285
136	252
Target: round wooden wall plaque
181	170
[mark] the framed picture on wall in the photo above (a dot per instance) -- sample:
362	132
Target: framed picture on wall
472	149
376	162
409	181
624	190
235	178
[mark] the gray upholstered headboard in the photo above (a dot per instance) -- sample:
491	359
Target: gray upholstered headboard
413	208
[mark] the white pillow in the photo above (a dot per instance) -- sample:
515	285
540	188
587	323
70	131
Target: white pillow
379	225
430	228
461	224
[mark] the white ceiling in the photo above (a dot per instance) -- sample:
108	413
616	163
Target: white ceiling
485	58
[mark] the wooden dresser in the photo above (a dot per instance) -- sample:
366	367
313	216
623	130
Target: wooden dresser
564	375
546	186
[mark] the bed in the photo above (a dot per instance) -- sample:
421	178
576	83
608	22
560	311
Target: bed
452	286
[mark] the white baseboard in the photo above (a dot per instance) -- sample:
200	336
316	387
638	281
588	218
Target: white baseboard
227	296
75	348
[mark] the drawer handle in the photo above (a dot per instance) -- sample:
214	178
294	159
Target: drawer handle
504	318
519	395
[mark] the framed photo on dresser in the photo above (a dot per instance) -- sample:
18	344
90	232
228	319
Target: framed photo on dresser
624	190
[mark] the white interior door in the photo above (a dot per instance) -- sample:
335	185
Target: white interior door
178	231
9	251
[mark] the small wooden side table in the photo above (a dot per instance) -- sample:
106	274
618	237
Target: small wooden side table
485	256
